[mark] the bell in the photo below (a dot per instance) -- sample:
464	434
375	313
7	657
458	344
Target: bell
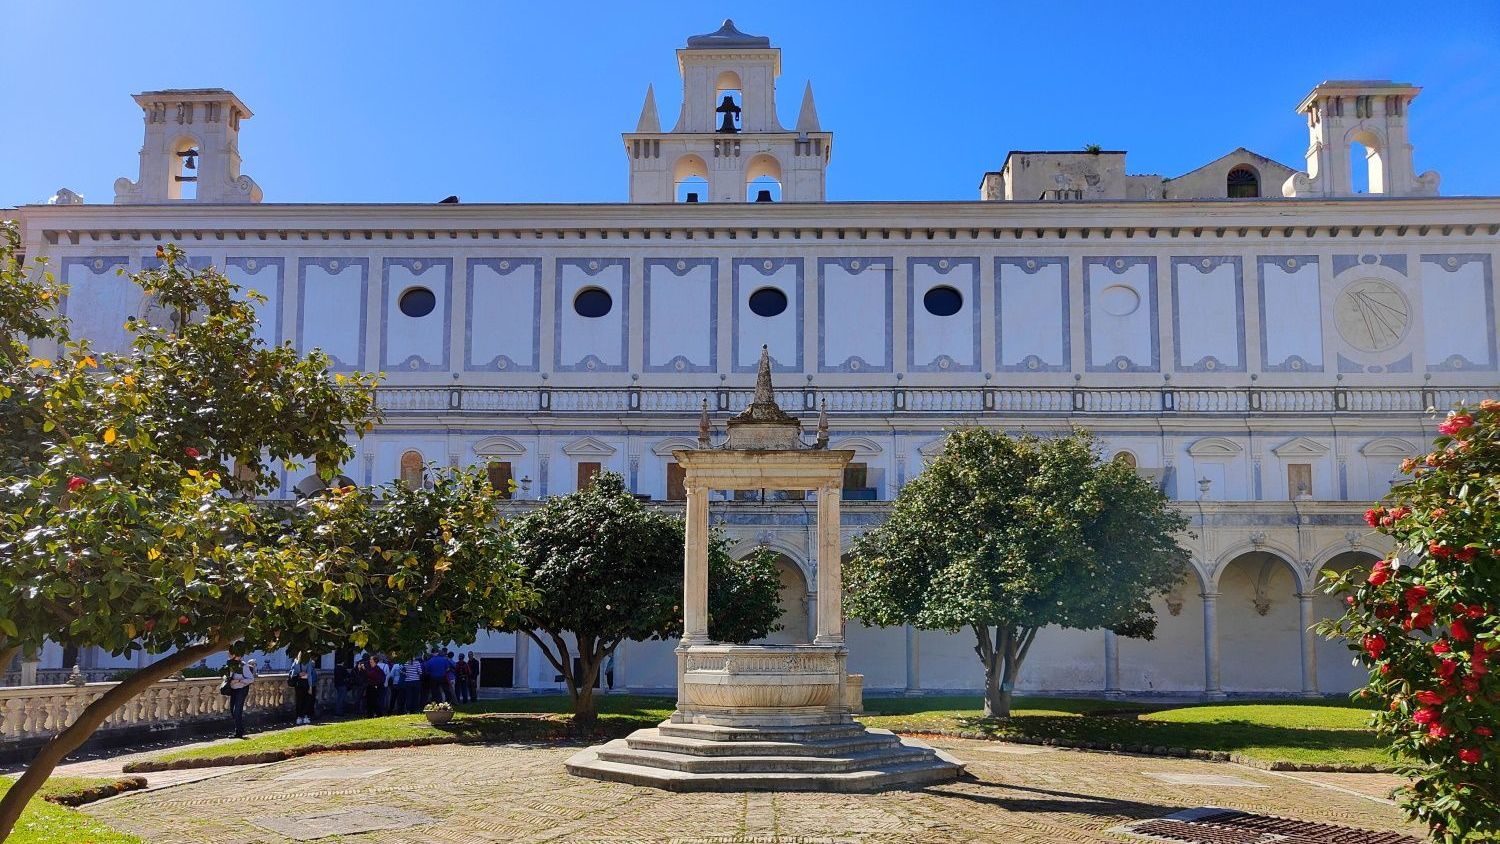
763	196
731	112
190	159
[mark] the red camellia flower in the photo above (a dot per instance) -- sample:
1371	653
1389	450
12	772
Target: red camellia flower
1438	731
1437	514
1374	645
1372	516
76	483
1460	631
1470	755
1438	551
1380	573
1429	697
1446	669
1466	555
1420	619
1414	596
1349	599
1401	512
1486	732
1426	715
191	452
1441	646
1455	422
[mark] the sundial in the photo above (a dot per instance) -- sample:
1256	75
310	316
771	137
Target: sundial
1371	315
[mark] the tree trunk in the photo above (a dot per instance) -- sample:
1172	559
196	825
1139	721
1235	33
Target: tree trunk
59	746
585	714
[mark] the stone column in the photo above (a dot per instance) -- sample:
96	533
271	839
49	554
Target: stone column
1211	688
695	568
522	664
830	569
1111	665
1309	646
913	660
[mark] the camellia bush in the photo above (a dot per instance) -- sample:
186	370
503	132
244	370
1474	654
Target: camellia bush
1425	622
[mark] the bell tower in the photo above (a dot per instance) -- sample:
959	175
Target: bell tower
728	144
192	149
1371	114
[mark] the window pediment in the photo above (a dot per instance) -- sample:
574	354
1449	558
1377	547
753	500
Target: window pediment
1220	447
588	447
499	447
1387	447
1300	447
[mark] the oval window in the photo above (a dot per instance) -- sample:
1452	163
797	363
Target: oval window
1119	300
943	301
417	302
767	302
592	302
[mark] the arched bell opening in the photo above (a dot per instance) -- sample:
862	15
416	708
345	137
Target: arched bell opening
1259	624
763	179
184	182
729	101
690	179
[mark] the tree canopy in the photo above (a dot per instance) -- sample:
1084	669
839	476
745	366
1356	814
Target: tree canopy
606	568
128	511
1426	622
1006	535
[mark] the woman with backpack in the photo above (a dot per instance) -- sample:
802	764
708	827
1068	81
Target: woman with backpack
303	678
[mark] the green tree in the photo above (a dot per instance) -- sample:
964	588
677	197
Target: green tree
115	529
1425	622
1007	535
606	568
443	562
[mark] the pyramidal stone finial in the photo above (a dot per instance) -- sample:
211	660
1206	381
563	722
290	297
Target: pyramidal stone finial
703	431
764	394
822	440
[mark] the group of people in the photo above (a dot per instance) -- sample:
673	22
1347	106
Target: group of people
376	684
379	684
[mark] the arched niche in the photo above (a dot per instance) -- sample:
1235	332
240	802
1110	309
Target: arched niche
763	173
1259	623
690	179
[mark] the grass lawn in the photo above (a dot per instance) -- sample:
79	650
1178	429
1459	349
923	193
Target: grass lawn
1312	732
1331	732
47	823
483	721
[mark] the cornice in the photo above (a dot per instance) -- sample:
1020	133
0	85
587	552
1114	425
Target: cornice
1269	219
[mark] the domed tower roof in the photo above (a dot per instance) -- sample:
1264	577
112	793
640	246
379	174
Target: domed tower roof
727	37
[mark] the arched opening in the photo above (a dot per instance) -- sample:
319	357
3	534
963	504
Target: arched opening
185	170
412	470
729	102
1172	660
690	178
763	179
1366	164
1126	458
1260	625
1337	673
793	600
1242	183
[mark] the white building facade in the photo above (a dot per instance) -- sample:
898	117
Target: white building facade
1259	340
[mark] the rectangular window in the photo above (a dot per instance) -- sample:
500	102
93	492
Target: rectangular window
499	473
676	490
1298	480
857	483
586	474
497	672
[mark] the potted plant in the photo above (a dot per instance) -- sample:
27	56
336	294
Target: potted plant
438	713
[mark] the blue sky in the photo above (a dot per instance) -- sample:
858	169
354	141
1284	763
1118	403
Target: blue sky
513	102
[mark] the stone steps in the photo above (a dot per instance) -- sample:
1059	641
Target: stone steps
804	733
843	745
922	766
764	763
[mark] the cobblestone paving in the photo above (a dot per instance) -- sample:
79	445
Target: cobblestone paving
522	794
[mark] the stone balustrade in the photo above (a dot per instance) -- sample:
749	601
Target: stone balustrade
36	712
1007	401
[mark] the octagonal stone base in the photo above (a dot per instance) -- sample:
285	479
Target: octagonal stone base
765	718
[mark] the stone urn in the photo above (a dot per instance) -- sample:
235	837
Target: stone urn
438	717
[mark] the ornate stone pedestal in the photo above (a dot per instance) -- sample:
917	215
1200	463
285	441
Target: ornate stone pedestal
764	717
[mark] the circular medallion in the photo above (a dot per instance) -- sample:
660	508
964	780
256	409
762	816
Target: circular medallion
333	266
504	265
98	263
1371	315
250	264
1291	263
1119	300
416	266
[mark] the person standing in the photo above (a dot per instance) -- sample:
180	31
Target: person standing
411	675
461	678
304	681
436	668
609	671
240	674
393	679
473	678
374	686
340	685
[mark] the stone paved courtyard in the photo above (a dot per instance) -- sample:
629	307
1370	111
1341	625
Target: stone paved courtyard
521	794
